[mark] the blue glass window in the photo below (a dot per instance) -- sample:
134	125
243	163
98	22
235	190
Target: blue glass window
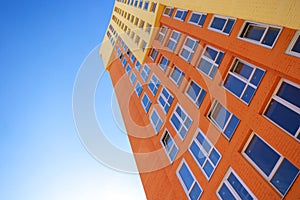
146	103
124	62
132	78
165	99
180	14
181	121
177	75
169	145
196	93
197	19
145	73
173	40
222	24
146	5
153	54
154	84
163	63
138	89
128	69
156	121
138	66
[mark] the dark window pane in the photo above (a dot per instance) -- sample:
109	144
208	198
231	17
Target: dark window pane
284	176
229	26
262	155
204	66
211	53
193	90
213	71
248	94
219	59
214	156
173	153
197	153
243	69
231	126
218	23
184	15
283	116
220	115
296	47
238	187
208	168
202	20
176	122
195	18
201	97
254	32
289	93
235	85
225	193
257	76
186	176
271	36
195	193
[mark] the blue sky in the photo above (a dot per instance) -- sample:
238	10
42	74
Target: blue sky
42	46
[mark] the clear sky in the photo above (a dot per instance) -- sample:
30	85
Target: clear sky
42	46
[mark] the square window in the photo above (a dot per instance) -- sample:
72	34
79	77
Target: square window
173	40
169	145
222	24
197	19
180	14
168	11
146	102
165	100
154	84
294	47
188	49
262	34
163	63
180	121
177	75
195	93
155	121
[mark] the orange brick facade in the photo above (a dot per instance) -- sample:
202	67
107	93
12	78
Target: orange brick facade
162	182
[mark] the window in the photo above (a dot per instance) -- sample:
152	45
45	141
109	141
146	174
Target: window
188	181
128	52
136	21
149	27
153	7
145	72
168	11
136	3
128	69
153	54
154	84
197	19
169	145
294	47
232	187
180	14
138	66
146	5
141	4
258	33
143	45
156	121
195	93
243	79
180	121
165	99
284	108
173	40
205	154
137	40
138	89
177	75
132	58
124	62
163	63
188	49
210	61
222	24
162	34
223	119
121	57
142	24
132	78
276	169
146	103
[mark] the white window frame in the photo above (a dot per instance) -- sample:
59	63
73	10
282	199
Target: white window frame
197	13
132	81
124	60
165	99
131	58
173	40
243	79
159	63
187	192
222	17
266	26
144	71
154	83
286	104
162	34
149	102
182	121
276	166
174	145
170	12
128	72
187	48
292	43
135	89
198	95
159	120
207	154
180	18
232	190
152	53
182	74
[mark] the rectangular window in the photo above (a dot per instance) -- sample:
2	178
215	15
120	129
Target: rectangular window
163	63
136	21
153	8
138	89
138	66
284	108
276	169
173	40
210	61
222	24
141	4
155	121
180	14
165	100
121	57
177	75
205	154
195	93
149	27
145	73
132	78
143	45
188	49
168	11
197	19
243	79
132	58
146	103
128	52
232	187
146	5
180	121
162	34
223	119
142	24
136	3
154	84
169	145
137	40
188	181
128	69
153	54
294	47
124	62
262	34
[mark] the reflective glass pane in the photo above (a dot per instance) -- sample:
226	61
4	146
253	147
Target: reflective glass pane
208	169
254	32
235	85
296	47
204	66
257	76
196	192
186	176
218	23
197	153
225	193
238	187
211	53
214	156
271	36
229	26
248	94
289	93
234	121
243	70
175	122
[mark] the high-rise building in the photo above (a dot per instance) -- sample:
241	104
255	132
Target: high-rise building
209	92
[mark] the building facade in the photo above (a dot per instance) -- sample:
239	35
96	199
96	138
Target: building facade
209	95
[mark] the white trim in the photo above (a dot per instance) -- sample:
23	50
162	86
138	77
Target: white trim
154	83
159	120
292	43
164	98
159	63
153	51
183	11
181	74
187	48
197	13
135	89
173	40
171	10
222	17
174	145
266	26
132	74
198	95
